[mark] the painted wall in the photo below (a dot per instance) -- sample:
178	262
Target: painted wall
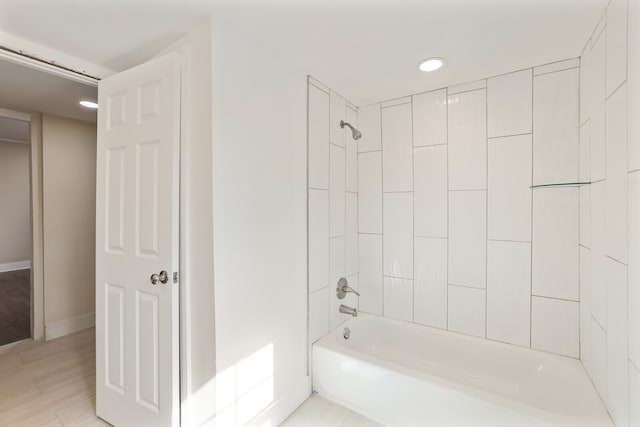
15	209
259	212
454	236
333	207
610	210
69	187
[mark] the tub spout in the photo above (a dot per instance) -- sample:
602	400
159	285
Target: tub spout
348	310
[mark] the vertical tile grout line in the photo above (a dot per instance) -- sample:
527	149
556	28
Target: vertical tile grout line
413	222
329	214
486	205
531	224
446	99
382	210
308	346
579	207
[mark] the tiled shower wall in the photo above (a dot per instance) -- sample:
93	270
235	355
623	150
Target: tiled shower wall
610	211
450	233
333	206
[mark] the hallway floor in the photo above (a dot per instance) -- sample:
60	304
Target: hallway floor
15	306
49	383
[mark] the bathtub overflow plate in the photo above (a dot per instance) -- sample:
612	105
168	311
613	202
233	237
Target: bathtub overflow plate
346	333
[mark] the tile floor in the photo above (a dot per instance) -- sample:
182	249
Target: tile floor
319	412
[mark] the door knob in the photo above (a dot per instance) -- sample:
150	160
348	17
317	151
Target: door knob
163	277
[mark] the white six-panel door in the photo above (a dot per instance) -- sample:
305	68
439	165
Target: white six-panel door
137	347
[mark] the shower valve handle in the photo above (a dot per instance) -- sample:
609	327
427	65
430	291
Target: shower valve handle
343	288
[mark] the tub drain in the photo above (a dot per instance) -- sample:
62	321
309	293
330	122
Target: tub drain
346	333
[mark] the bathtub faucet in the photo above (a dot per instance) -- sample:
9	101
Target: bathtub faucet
348	310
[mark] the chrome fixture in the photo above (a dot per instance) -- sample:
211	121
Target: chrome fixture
346	333
343	288
355	132
348	310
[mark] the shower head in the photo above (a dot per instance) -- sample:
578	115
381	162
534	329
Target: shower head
355	132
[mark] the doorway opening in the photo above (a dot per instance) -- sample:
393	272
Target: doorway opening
15	229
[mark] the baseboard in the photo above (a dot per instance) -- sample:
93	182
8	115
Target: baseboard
13	266
69	326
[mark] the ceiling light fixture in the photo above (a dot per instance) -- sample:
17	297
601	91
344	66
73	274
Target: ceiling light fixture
431	64
89	104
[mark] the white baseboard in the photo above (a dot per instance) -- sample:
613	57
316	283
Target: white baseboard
13	266
69	326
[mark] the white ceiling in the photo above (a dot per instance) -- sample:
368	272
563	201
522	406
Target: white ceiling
27	90
368	50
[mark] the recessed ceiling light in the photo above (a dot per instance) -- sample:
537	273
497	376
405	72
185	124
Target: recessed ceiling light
431	64
89	104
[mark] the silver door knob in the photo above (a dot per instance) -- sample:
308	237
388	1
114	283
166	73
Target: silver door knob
163	277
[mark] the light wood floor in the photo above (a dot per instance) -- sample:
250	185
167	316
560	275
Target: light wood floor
49	383
15	310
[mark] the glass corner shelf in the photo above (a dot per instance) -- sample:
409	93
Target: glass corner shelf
562	184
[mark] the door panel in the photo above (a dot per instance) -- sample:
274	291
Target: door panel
137	326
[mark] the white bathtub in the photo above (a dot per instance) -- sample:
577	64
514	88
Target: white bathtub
406	375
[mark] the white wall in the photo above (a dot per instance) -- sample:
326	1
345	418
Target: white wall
15	208
451	234
259	212
69	189
197	310
333	207
609	211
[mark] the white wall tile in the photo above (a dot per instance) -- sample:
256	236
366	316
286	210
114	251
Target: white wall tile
555	260
599	358
398	298
555	326
585	152
616	149
467	238
397	148
395	101
430	118
555	127
467	87
467	128
598	241
634	267
318	138
509	195
585	307
369	125
466	310
352	154
597	110
634	396
556	66
585	215
398	235
509	103
351	231
318	239
616	44
430	191
318	314
336	190
370	272
370	192
336	271
430	282
617	342
337	112
633	83
509	292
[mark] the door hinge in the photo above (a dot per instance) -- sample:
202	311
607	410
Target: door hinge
175	277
